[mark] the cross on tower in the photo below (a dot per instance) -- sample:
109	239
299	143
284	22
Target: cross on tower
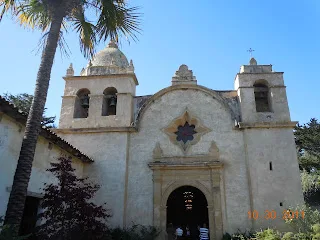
250	51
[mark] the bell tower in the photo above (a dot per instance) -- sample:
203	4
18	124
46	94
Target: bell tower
262	94
270	150
102	96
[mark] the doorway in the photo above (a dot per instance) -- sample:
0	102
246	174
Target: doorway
187	206
29	217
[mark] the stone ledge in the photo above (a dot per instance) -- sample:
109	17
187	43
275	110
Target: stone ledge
291	124
272	86
185	166
133	75
95	130
266	73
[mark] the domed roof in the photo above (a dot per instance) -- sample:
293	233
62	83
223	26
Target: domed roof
110	56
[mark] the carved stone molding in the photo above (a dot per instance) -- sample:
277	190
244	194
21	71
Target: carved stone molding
157	151
214	151
185	131
184	76
212	156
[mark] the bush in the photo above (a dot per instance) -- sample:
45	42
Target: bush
238	236
287	236
304	225
136	232
226	236
268	234
316	232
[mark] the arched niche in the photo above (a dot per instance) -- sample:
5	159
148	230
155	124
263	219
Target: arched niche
262	96
109	104
82	104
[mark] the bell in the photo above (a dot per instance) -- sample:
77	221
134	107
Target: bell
85	101
113	102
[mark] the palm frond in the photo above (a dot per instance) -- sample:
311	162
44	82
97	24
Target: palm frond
8	6
117	19
35	15
86	31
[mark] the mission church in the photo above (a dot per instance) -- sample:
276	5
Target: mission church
185	155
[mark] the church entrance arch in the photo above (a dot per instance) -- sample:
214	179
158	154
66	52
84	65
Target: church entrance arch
187	206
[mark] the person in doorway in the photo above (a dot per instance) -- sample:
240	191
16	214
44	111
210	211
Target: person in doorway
179	233
204	232
171	232
188	234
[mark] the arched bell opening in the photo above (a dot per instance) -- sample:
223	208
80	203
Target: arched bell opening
109	105
187	206
81	105
262	96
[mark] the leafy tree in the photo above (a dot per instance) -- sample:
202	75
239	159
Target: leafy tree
69	212
23	102
111	18
310	182
307	137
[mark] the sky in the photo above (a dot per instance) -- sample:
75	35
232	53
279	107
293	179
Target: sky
211	37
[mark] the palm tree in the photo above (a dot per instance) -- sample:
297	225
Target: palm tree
113	19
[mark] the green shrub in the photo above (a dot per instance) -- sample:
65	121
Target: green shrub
316	231
268	234
226	236
288	236
136	232
304	225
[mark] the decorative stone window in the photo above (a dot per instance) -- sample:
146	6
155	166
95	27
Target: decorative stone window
261	95
109	105
185	131
81	105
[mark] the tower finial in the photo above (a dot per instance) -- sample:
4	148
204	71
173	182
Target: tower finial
112	44
250	51
70	71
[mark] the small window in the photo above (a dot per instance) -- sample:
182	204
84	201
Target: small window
109	105
81	105
261	95
270	166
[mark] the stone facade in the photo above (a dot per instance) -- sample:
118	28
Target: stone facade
241	156
49	148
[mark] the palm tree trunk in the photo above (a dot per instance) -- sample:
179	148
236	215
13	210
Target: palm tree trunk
23	171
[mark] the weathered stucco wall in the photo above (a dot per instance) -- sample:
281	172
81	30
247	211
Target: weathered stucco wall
282	183
11	135
109	168
213	115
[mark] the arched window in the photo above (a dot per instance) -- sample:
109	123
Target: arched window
261	95
109	105
81	105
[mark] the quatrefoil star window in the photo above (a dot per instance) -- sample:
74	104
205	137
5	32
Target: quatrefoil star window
185	131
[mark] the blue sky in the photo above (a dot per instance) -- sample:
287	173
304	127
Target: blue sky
211	37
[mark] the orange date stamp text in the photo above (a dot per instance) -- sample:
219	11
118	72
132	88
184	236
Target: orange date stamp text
272	214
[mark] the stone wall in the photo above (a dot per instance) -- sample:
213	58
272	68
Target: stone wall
11	135
274	173
214	115
109	168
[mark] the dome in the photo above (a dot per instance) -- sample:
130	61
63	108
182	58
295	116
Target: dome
110	56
